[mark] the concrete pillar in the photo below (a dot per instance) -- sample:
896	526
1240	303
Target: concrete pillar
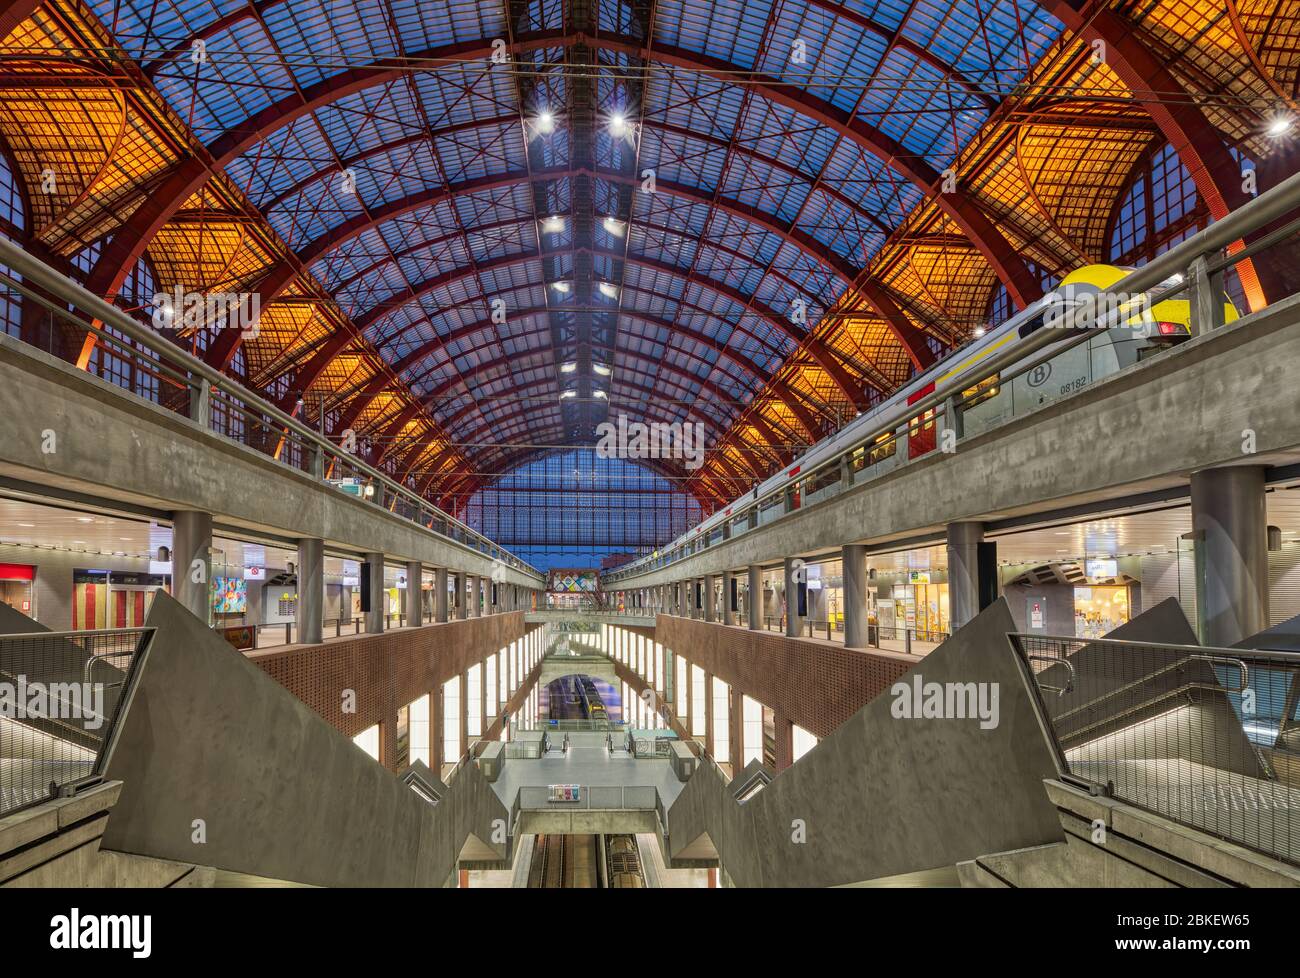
754	600
1230	527
471	596
854	558
311	591
440	594
963	572
414	593
461	609
373	565
792	620
710	600
728	613
192	548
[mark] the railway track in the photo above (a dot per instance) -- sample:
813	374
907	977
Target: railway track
568	862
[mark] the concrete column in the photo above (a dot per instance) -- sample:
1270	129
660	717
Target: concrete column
311	591
414	593
963	572
754	599
710	600
440	594
192	548
792	620
728	614
1230	527
471	596
462	611
375	616
854	559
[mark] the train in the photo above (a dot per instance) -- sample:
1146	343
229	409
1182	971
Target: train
1146	328
592	704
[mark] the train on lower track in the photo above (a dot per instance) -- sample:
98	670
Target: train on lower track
1140	329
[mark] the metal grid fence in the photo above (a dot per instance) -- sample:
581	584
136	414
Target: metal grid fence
1206	737
59	697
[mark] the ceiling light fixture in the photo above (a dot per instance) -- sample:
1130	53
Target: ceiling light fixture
979	332
616	227
554	224
561	287
609	290
618	125
569	367
568	393
601	394
546	121
601	369
1280	126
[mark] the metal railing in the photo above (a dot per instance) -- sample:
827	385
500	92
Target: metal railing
1206	737
184	383
969	404
60	693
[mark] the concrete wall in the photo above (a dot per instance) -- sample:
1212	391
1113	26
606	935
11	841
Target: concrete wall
208	741
884	796
115	446
1146	429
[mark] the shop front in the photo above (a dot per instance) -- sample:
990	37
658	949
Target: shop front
16	582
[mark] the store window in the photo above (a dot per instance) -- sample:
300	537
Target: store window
16	587
451	720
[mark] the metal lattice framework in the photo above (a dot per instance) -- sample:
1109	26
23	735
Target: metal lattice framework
481	229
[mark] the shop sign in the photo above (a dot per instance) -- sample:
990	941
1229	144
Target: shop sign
918	577
1036	615
564	792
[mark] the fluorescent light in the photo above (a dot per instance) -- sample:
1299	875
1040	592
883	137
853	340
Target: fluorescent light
1280	126
85	519
601	369
561	286
553	224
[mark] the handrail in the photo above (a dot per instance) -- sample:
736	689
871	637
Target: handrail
33	270
1176	262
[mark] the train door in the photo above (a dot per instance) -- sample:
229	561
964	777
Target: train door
922	433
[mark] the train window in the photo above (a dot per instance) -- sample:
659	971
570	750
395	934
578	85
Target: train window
1033	326
983	391
884	448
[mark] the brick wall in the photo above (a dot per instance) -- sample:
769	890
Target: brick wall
389	670
817	685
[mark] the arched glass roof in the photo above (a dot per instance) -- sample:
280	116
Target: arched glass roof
481	230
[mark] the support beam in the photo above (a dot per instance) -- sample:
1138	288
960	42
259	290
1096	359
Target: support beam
192	562
1230	532
854	560
310	614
